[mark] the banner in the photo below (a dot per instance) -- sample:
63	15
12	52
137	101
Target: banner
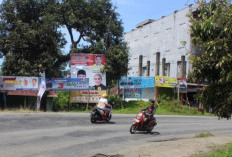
133	93
92	96
89	66
136	82
18	83
67	84
41	90
162	81
182	82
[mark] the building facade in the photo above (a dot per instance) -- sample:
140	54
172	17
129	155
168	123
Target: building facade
161	47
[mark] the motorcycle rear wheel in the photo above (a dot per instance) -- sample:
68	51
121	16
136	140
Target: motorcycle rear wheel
109	118
133	129
150	129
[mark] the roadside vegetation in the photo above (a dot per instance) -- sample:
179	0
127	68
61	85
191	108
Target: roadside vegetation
224	151
165	106
203	134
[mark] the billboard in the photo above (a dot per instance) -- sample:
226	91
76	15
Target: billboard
18	83
67	84
136	82
182	82
162	81
89	66
91	96
133	93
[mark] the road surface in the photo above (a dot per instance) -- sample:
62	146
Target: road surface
73	135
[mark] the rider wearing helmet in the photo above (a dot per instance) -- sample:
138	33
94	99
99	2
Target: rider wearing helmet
103	103
150	112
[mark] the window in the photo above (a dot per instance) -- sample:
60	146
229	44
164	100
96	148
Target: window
167	69
178	69
144	71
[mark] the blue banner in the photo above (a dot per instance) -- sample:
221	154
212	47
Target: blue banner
67	84
136	82
133	93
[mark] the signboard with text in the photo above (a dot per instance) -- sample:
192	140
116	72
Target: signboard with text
136	82
67	84
18	83
162	81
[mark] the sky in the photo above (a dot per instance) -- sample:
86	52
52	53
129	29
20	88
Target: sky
133	12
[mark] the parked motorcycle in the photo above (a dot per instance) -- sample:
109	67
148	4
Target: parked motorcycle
100	115
140	125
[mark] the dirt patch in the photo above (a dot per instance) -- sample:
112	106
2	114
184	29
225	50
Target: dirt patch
179	147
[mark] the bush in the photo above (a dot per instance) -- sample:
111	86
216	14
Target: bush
60	103
115	101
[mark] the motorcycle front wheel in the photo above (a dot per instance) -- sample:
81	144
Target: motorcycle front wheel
133	129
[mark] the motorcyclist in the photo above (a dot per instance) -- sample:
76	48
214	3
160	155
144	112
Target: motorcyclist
103	104
150	112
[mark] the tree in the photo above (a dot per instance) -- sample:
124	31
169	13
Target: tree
211	31
29	38
99	31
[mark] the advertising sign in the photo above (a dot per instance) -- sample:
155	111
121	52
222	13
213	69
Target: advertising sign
67	84
182	82
92	96
18	83
133	93
136	82
42	89
89	66
162	81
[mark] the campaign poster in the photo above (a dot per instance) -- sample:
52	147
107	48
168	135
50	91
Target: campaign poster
182	82
92	96
162	81
89	66
136	82
18	83
67	84
133	93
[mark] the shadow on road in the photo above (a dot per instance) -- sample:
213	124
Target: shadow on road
102	122
145	133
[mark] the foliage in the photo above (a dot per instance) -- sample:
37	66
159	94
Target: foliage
60	103
211	32
29	38
204	134
115	100
98	30
226	152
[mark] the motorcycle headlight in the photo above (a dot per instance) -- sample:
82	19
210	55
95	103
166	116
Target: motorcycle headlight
136	120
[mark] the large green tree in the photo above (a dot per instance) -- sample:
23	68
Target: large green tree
29	38
211	32
94	27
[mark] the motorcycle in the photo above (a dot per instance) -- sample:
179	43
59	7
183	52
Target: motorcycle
139	125
100	115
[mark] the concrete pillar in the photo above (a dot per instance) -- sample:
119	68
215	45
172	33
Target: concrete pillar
140	65
163	66
148	69
157	63
183	71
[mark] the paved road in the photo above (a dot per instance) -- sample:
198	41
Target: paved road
72	134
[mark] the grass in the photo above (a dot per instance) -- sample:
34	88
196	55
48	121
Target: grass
203	134
223	151
169	107
165	107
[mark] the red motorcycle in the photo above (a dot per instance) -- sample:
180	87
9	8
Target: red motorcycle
140	125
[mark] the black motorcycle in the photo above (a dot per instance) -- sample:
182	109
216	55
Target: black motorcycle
100	115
